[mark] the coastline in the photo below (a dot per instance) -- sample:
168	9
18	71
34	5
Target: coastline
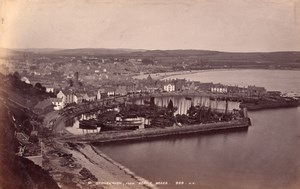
164	75
265	106
68	156
109	173
60	159
66	162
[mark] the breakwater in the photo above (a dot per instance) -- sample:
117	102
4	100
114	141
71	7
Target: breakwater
260	105
157	132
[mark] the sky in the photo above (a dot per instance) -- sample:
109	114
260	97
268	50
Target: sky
224	25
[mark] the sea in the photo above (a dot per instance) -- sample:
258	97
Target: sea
264	156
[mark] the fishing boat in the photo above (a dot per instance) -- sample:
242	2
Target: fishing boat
88	124
89	121
118	126
146	101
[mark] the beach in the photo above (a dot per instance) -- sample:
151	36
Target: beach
166	75
81	166
75	165
160	76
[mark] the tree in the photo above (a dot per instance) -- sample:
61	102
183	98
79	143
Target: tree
17	76
71	83
147	61
170	105
40	87
152	102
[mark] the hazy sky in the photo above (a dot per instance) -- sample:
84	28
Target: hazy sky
227	25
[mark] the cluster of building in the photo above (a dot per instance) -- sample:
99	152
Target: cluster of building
78	94
46	69
69	96
150	85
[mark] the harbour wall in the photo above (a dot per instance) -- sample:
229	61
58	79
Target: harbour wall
157	132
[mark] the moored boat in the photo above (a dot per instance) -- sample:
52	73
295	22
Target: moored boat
118	126
188	98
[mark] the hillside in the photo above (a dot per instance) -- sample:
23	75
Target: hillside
9	52
84	51
17	172
192	59
205	54
225	56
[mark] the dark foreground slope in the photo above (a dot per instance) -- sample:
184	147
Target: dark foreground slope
18	172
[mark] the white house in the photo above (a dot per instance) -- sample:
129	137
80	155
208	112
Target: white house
58	103
110	92
218	89
169	87
25	79
49	89
61	95
75	98
70	97
89	97
99	95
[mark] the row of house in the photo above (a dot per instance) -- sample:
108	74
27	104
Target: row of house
251	91
74	95
182	85
149	85
69	96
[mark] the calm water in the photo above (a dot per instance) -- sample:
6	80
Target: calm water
267	155
283	80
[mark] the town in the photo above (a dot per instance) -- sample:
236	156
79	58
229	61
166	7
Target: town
114	99
105	94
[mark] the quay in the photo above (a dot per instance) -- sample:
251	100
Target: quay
156	132
141	134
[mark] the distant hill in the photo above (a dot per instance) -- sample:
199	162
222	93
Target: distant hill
9	52
206	55
90	51
71	52
218	56
42	50
168	53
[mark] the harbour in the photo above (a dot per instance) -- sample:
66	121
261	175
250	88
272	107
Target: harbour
264	155
157	133
150	94
264	123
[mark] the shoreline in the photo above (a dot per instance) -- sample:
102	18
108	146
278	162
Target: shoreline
164	75
74	165
74	161
64	161
139	180
264	106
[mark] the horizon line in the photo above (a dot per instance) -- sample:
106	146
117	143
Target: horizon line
142	49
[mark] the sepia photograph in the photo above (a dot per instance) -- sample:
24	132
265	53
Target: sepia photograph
149	94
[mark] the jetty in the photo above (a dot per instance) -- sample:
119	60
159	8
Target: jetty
142	134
